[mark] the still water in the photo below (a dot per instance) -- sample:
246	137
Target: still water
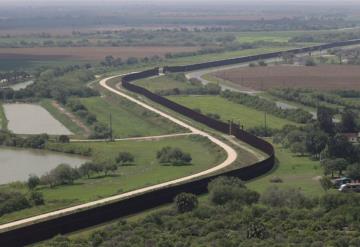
32	119
21	85
17	164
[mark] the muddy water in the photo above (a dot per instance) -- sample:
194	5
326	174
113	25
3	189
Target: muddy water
32	119
17	164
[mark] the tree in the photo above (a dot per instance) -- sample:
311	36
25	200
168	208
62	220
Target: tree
316	141
63	139
124	157
328	166
325	119
185	202
298	147
173	156
339	147
33	181
353	171
36	198
109	167
86	169
326	183
348	122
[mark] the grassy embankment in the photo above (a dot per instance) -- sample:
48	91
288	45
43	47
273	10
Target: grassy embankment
230	111
3	120
61	117
145	171
128	119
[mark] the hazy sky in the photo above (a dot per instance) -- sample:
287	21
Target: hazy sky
96	2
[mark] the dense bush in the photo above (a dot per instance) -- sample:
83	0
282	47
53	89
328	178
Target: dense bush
175	156
283	217
185	202
11	201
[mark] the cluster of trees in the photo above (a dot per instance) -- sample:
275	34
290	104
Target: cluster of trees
324	140
56	83
234	215
11	201
325	37
318	99
10	77
35	141
64	174
110	61
99	130
173	156
296	115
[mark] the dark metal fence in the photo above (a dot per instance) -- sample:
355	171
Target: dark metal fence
39	231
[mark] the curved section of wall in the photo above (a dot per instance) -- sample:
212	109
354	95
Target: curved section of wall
39	231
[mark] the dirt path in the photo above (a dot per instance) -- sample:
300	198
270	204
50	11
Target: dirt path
144	138
231	157
72	117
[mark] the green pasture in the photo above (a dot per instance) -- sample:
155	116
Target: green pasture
228	110
145	171
128	119
295	172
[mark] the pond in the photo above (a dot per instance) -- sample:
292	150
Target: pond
32	119
17	164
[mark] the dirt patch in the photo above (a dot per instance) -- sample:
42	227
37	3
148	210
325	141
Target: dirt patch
89	53
322	77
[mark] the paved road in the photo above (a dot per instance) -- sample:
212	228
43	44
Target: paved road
231	157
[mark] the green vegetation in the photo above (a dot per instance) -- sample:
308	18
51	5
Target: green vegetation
235	215
3	120
128	119
62	117
145	171
294	171
230	111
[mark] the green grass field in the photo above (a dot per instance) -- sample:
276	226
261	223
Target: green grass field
145	171
162	83
3	120
61	117
228	110
128	119
295	171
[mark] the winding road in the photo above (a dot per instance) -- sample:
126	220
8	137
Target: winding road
231	157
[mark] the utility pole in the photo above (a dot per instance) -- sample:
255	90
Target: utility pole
110	127
265	123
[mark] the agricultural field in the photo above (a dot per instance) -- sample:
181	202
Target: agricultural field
230	111
145	171
321	77
128	119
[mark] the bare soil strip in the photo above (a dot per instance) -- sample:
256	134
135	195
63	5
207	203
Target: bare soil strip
72	117
321	77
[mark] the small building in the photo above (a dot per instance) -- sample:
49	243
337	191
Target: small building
352	137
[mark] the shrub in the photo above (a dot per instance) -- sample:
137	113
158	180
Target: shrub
173	156
276	180
33	181
226	189
124	157
185	202
36	198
